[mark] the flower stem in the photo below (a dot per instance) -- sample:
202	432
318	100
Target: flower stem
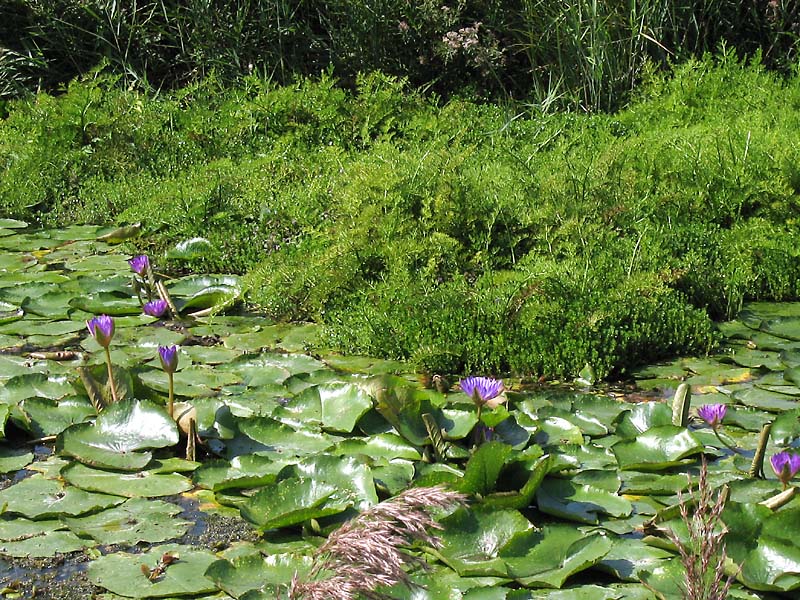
111	383
478	436
724	443
171	394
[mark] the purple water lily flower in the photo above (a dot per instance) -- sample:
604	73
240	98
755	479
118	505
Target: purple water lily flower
102	329
139	264
712	414
169	358
156	308
786	465
483	390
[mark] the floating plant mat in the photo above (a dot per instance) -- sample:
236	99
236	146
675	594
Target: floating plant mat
571	491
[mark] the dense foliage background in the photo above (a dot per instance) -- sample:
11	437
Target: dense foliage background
398	206
578	53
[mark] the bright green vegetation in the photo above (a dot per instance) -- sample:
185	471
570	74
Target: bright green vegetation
465	237
572	498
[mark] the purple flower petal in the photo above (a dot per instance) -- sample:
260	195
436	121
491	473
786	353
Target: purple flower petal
156	308
139	264
169	358
481	389
102	329
786	465
712	414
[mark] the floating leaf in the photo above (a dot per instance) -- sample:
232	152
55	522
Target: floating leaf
254	571
581	503
657	448
39	498
547	557
14	459
289	502
121	431
473	540
122	573
143	483
135	521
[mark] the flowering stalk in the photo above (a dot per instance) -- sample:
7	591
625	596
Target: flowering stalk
484	391
169	362
703	555
140	265
102	330
713	414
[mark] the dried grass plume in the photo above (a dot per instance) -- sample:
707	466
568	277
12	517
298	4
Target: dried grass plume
370	551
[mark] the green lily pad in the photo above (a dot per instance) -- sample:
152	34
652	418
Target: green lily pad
122	574
39	498
763	542
141	484
284	439
630	556
204	291
382	445
119	435
248	471
582	503
641	417
137	520
10	313
291	501
105	303
189	249
12	224
656	449
254	571
483	468
14	459
39	539
547	557
766	400
51	417
32	385
472	541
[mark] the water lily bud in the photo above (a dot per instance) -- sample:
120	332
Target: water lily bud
102	329
156	308
786	465
169	358
139	264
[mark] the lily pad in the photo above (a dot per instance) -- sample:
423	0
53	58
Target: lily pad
137	520
141	484
656	449
581	503
291	501
119	435
122	573
39	498
546	558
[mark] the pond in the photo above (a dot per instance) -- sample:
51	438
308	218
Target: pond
573	491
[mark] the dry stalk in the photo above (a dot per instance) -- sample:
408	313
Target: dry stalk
704	556
369	551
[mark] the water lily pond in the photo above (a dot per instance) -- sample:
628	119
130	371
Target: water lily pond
573	490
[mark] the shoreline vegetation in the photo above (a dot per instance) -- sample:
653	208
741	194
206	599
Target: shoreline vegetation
466	231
